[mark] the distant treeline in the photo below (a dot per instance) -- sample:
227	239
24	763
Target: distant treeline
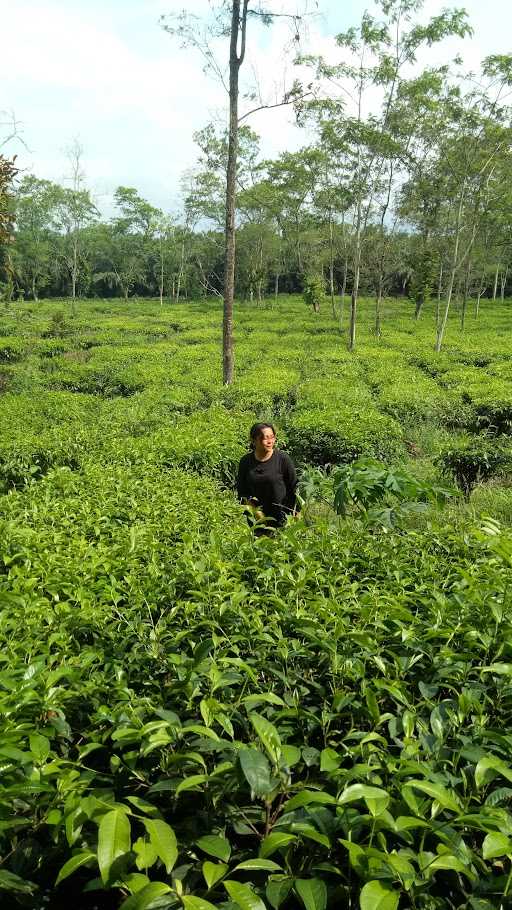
63	248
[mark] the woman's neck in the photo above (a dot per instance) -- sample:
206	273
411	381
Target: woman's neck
263	455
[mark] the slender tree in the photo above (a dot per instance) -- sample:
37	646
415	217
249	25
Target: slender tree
230	20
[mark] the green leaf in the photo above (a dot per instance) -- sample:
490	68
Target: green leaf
145	897
277	891
215	846
266	865
290	756
357	856
378	895
79	859
113	840
146	854
447	861
373	705
275	841
306	797
196	903
496	845
306	830
163	841
375	798
250	701
194	782
244	896
11	882
489	767
256	770
443	797
312	892
330	760
268	736
39	746
213	872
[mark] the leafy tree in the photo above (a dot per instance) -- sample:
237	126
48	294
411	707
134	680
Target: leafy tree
8	171
36	205
379	54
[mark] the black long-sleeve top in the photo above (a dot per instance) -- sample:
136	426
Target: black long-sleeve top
273	483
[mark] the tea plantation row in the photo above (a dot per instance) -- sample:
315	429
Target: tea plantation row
191	717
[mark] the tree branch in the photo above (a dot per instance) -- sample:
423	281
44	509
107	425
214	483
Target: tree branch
268	107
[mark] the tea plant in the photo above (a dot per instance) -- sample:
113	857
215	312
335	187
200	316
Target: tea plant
192	717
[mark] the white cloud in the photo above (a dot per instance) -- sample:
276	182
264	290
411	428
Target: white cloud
104	70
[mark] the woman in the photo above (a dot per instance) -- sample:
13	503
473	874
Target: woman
267	480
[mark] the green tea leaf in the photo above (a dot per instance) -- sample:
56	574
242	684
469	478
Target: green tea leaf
268	736
11	882
266	865
163	841
375	798
275	841
194	782
145	897
306	797
196	903
496	844
39	746
244	896
312	892
256	770
443	796
216	846
113	840
277	891
213	872
378	895
489	767
330	760
146	854
76	861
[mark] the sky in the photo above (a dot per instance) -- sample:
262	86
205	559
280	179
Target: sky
104	72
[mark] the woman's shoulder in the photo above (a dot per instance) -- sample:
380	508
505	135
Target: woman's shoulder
246	459
284	458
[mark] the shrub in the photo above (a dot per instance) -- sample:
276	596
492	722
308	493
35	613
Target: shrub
314	291
475	460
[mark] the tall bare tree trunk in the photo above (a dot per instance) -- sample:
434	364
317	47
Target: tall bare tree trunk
180	272
343	292
503	284
161	276
495	288
358	233
238	25
465	296
378	309
439	292
353	301
451	281
331	265
276	287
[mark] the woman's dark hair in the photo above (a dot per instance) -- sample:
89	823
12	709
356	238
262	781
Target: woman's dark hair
256	431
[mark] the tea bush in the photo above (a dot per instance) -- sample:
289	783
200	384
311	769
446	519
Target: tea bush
192	717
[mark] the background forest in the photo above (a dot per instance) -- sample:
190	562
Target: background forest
404	188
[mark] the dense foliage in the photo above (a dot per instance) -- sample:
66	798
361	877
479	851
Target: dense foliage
193	717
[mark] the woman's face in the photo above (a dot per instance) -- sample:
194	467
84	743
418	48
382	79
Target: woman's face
266	440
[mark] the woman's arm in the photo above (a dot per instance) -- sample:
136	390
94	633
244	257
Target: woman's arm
291	482
242	480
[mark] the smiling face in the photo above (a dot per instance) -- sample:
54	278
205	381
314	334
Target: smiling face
263	440
266	440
